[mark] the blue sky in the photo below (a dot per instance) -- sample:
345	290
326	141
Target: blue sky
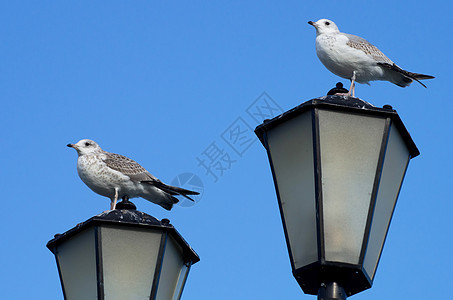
161	82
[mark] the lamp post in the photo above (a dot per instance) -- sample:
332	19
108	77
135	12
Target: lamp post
338	164
122	254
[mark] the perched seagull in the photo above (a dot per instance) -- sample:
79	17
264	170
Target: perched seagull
354	58
116	176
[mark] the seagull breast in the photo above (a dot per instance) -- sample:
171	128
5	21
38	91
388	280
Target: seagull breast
98	176
341	54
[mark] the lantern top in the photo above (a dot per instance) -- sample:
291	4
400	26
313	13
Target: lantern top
127	216
340	103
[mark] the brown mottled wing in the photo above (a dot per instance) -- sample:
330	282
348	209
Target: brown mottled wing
128	167
359	43
137	173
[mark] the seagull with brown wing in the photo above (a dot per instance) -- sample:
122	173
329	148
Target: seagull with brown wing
354	58
116	176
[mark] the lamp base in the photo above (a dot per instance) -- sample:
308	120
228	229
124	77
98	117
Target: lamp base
125	204
331	291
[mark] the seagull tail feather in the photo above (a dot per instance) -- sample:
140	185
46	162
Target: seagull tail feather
169	205
181	191
409	75
173	190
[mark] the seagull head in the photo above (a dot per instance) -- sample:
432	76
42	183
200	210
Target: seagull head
85	146
324	26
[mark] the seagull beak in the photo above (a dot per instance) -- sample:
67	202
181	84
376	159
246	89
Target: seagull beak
70	145
312	23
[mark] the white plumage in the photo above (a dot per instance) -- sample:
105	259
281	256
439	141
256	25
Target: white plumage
354	58
116	176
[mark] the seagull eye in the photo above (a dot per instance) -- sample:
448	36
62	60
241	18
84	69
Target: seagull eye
327	23
87	144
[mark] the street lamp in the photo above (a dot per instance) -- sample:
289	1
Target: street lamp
122	254
338	164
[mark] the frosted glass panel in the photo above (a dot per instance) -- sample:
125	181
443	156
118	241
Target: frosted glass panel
182	281
129	260
171	271
77	260
396	160
350	146
291	150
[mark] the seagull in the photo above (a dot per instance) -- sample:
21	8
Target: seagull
354	58
116	176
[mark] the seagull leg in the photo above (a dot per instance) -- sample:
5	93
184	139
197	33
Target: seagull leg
352	88
113	203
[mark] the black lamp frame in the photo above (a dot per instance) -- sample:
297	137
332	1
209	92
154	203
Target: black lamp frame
127	218
351	277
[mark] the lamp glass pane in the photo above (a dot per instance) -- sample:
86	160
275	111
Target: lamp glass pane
182	281
77	261
394	168
350	146
291	150
172	266
129	257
